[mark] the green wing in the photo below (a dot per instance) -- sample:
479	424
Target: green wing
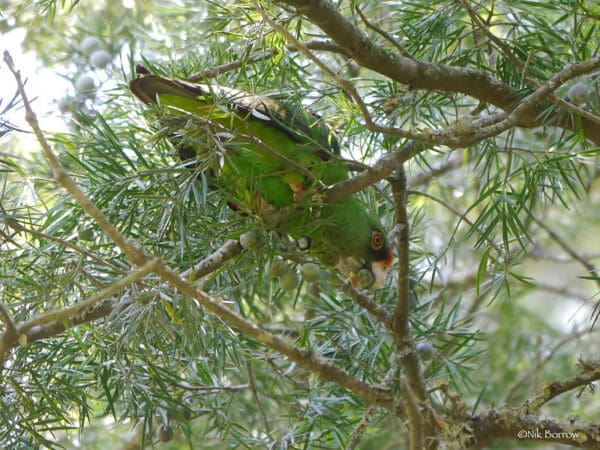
273	151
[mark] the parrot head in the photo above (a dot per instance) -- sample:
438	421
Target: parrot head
354	243
372	271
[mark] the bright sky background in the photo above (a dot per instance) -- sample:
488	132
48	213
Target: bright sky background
43	86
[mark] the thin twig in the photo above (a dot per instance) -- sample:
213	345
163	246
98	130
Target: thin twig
383	33
62	177
11	223
569	250
382	169
506	50
428	174
434	76
304	169
252	385
346	85
505	121
462	216
492	37
211	389
526	66
213	72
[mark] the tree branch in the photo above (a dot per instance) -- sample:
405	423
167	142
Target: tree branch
589	371
415	381
252	385
211	389
15	225
569	250
49	329
415	418
400	317
383	33
462	216
481	430
380	170
212	262
88	304
536	369
386	382
422	75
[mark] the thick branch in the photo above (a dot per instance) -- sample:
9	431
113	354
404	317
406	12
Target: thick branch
422	75
380	170
481	430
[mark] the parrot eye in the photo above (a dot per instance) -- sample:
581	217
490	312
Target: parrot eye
376	240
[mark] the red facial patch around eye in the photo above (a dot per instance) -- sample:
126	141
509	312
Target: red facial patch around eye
376	240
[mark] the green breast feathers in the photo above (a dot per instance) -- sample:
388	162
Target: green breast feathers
267	155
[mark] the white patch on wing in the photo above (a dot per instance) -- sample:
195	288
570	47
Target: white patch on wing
260	116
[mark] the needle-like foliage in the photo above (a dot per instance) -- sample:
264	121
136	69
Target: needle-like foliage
475	128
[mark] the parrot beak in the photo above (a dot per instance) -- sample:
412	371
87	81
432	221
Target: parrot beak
376	271
379	269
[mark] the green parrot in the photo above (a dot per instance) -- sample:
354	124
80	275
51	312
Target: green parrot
271	158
